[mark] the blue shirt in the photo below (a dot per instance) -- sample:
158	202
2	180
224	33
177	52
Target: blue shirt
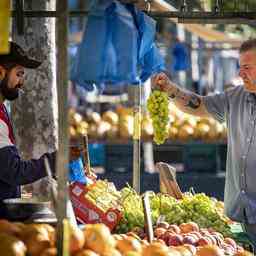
237	108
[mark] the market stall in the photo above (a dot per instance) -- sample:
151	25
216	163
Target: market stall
183	223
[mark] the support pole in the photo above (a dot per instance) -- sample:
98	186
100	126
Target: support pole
63	140
137	139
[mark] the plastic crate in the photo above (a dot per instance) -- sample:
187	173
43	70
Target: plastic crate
119	158
201	158
97	154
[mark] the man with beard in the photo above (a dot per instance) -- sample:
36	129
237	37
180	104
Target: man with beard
13	170
236	107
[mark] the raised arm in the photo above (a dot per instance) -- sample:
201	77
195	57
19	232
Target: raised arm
186	101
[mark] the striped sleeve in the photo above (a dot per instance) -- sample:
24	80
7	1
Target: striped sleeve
4	135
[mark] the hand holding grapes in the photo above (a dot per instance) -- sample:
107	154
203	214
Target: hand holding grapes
161	82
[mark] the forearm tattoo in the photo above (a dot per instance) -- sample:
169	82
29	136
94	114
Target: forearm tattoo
189	99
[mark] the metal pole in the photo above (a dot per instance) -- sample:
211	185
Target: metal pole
137	139
63	140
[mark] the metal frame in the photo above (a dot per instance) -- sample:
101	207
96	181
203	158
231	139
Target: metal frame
63	14
63	139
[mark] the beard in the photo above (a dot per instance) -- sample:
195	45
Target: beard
8	93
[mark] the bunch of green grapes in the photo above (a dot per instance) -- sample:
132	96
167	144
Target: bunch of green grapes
198	208
202	210
157	105
132	211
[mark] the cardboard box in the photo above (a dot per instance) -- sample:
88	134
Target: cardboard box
88	213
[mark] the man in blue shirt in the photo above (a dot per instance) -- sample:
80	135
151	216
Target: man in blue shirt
13	170
236	107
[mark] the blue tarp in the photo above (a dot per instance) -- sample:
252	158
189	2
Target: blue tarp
117	47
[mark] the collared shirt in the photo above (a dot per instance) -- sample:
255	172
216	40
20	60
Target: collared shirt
238	108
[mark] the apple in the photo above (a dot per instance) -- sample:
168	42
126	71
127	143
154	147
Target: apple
211	230
196	233
231	242
166	235
214	242
158	232
218	234
240	248
204	231
163	224
228	249
189	239
175	239
191	248
218	240
188	227
174	228
204	241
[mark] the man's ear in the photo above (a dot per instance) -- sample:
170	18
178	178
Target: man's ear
2	72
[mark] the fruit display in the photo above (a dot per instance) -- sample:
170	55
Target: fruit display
205	211
158	107
190	234
18	239
118	125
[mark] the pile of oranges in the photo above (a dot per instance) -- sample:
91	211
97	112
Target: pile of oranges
18	239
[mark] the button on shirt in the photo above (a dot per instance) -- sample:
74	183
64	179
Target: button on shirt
238	108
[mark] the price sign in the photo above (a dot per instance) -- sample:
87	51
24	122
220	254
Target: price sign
5	12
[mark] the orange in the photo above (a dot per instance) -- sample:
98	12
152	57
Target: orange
209	250
155	249
76	239
86	253
128	244
98	238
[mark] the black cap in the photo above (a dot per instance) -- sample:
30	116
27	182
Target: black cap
18	56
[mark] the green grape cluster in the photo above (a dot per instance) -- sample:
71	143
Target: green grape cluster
132	210
202	210
157	106
198	208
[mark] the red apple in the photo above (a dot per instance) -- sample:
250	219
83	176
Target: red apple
166	235
158	232
231	242
174	228
189	239
218	240
191	248
214	242
228	249
204	231
218	234
204	241
240	248
196	233
175	240
188	227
